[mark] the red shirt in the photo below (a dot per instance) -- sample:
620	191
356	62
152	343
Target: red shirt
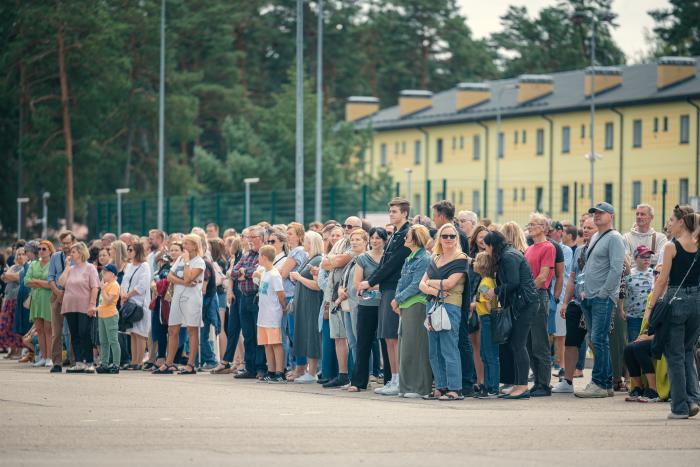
541	255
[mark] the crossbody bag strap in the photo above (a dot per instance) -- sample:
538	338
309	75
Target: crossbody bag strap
695	258
653	243
591	247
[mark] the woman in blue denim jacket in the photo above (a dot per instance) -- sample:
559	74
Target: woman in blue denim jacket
409	303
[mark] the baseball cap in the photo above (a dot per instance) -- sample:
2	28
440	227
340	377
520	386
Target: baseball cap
111	268
642	250
556	225
602	207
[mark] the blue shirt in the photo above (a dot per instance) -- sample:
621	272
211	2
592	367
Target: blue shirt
56	266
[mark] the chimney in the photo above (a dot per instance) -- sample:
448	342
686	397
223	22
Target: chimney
412	101
673	70
531	87
606	77
357	107
471	94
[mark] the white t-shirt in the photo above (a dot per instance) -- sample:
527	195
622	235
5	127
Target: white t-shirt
188	298
270	309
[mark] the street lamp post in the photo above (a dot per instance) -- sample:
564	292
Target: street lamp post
299	150
500	147
319	115
248	182
45	218
120	192
161	119
409	185
20	202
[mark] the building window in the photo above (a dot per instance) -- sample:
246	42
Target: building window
500	145
416	152
665	124
515	195
539	195
609	135
439	150
565	139
476	147
637	134
683	191
685	129
655	187
382	155
636	194
461	197
476	201
499	201
540	141
583	131
524	138
515	136
565	198
403	147
461	142
609	193
522	194
656	125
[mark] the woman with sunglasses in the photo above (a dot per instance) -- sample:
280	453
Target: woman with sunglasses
515	289
40	308
680	272
444	282
296	257
81	284
136	288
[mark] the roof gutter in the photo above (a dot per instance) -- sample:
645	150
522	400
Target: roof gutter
486	166
427	170
697	145
551	164
621	166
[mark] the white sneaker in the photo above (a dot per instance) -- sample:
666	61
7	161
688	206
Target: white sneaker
305	379
592	391
412	395
382	389
90	368
562	387
49	363
39	363
391	390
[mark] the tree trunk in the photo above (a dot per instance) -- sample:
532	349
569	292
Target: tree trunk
67	135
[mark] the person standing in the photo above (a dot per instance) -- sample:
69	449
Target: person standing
605	259
387	277
468	221
108	321
540	256
9	338
40	308
137	277
680	271
56	267
642	233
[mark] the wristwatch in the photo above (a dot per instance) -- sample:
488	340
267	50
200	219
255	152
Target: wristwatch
556	301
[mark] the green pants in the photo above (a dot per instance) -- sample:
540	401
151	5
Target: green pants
109	339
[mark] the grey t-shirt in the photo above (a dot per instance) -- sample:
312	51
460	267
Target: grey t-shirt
368	265
604	266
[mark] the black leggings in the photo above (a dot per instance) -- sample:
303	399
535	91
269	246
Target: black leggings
515	361
80	326
638	358
367	319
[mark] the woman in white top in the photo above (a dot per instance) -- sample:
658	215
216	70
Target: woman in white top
136	288
187	277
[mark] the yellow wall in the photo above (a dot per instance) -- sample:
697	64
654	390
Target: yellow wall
660	157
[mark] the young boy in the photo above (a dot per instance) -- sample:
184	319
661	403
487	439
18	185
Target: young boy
485	267
271	303
639	284
108	321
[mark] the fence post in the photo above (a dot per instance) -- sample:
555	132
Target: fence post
109	216
664	192
486	198
575	222
427	198
332	202
97	216
191	212
167	214
398	189
364	200
273	206
444	188
218	209
144	230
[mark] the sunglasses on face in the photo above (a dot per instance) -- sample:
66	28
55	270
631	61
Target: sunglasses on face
448	236
43	248
271	242
130	249
348	226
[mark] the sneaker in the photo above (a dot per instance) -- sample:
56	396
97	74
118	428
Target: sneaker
279	378
562	387
649	396
90	368
592	391
113	369
391	390
208	366
245	375
486	394
56	369
337	382
412	395
266	379
102	370
677	416
49	363
305	379
39	363
381	390
693	409
77	368
634	395
611	392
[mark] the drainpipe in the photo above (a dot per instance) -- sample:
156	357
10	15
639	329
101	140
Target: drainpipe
486	165
427	170
551	164
697	145
621	171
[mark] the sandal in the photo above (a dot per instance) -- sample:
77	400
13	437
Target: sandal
451	396
435	395
221	368
168	370
354	389
148	366
187	370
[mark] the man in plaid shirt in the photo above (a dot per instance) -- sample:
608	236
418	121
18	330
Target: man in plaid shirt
242	274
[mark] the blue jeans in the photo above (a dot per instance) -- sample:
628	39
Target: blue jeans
254	353
684	328
634	325
489	356
329	360
210	316
159	332
598	314
443	352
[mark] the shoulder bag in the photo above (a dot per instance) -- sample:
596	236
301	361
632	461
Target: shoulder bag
501	324
437	318
130	313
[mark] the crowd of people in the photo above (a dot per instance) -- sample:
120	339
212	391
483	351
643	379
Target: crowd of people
440	308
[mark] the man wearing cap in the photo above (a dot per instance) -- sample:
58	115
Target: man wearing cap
643	233
639	283
604	263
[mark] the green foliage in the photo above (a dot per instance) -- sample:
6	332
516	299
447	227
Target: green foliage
678	28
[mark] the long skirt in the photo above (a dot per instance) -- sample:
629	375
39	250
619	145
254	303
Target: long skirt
8	338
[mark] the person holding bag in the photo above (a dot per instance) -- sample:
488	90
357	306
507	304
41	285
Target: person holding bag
444	282
515	289
138	292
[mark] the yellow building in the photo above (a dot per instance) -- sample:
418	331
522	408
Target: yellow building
444	146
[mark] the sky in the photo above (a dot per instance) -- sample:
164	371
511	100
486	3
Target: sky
483	17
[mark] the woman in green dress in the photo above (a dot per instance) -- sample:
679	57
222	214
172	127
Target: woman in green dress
40	308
